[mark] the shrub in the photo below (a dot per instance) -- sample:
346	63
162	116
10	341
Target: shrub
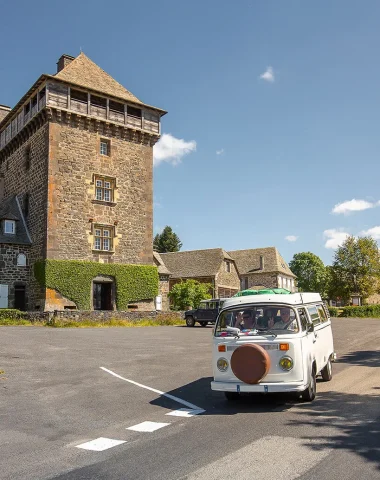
11	314
365	311
334	311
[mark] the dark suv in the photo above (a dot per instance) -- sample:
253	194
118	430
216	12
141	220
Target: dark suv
206	312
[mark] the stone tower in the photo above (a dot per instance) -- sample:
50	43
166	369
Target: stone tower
76	152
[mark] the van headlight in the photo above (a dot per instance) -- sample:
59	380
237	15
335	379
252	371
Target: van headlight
222	364
286	363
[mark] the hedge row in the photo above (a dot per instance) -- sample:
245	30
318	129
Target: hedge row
334	311
73	279
11	314
365	311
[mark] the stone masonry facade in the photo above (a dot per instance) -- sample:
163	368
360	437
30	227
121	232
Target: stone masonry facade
10	272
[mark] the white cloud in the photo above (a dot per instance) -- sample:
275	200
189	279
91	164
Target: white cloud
170	149
373	232
220	152
334	237
268	75
353	206
291	238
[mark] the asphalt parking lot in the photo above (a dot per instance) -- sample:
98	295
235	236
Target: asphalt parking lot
65	388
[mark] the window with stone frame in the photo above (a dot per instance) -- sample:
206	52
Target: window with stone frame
105	147
228	266
103	237
104	188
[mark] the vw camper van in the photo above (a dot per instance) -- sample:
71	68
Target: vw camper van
272	343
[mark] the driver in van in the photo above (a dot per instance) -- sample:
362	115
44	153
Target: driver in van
286	321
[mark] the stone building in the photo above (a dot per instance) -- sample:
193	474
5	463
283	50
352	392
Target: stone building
263	267
214	266
76	160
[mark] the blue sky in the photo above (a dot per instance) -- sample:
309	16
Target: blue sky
274	108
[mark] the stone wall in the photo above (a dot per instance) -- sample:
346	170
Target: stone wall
25	175
10	272
228	283
163	291
74	159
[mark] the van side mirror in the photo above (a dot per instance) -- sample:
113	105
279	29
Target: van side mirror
310	327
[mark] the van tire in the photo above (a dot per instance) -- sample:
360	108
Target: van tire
232	396
190	322
203	324
309	394
326	372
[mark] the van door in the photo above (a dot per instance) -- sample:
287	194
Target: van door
308	341
325	337
318	338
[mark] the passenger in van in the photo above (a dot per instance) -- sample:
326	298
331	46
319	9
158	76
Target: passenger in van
268	320
245	320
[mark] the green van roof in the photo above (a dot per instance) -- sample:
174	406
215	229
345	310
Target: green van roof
264	291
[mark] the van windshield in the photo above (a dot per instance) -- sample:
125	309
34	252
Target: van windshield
278	319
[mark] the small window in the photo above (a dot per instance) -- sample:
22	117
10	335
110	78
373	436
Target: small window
314	315
322	313
228	267
303	319
134	112
21	260
10	227
26	205
98	101
42	93
104	147
27	108
116	106
104	189
103	236
34	101
78	96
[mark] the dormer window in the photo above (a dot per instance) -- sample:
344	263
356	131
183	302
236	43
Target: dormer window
10	227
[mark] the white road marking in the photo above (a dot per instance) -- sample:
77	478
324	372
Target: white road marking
267	458
147	426
167	395
185	412
100	444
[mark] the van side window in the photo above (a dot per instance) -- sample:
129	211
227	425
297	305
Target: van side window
303	318
313	312
322	313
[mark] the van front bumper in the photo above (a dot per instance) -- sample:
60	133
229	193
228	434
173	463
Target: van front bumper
259	387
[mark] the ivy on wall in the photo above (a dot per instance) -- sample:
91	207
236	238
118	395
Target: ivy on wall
73	279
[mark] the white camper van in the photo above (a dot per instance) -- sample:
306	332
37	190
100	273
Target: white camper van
272	343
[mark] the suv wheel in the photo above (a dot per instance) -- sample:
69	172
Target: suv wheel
190	321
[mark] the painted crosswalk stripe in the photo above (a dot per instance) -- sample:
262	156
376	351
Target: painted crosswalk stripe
185	412
100	444
147	426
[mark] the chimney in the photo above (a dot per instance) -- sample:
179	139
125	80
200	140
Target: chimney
64	61
261	262
4	110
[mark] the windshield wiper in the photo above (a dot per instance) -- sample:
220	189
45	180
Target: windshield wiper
271	332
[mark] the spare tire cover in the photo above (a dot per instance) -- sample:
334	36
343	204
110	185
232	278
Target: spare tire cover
250	363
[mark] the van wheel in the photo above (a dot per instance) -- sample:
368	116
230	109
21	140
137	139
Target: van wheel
203	324
190	321
232	396
326	372
308	395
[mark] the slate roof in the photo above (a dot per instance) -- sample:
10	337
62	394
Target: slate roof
160	264
10	210
195	263
248	261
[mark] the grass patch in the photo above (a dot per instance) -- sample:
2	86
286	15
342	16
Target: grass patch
114	322
16	321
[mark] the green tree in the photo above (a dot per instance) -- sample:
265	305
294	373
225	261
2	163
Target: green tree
310	271
167	241
356	268
189	293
